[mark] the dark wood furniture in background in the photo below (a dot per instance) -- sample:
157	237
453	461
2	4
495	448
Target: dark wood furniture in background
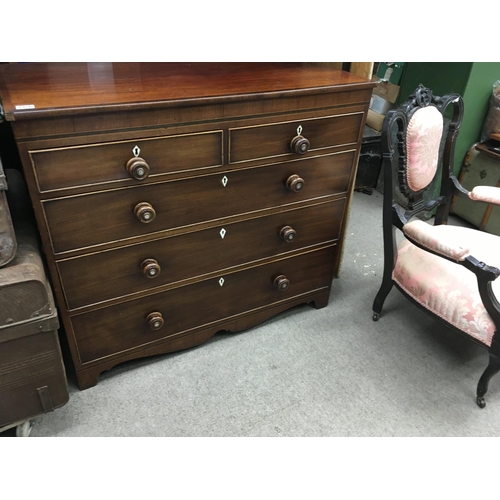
177	200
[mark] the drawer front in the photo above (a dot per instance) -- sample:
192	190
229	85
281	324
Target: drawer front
270	141
88	220
125	326
99	277
95	164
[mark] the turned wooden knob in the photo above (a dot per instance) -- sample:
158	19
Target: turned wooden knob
288	234
281	282
295	183
150	268
144	212
137	168
299	145
155	320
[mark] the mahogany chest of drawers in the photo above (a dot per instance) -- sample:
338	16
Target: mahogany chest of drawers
177	200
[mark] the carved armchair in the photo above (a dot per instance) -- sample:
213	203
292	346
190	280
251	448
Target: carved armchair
449	271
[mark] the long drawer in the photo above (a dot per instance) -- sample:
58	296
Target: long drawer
92	219
113	330
114	273
95	164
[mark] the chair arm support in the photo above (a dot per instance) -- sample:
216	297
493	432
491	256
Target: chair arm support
485	276
429	238
487	194
482	270
457	189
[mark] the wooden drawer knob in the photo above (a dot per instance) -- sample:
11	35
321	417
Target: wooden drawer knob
137	168
144	212
155	320
288	234
299	145
150	268
281	282
295	183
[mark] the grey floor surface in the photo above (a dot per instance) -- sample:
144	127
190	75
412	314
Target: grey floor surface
328	372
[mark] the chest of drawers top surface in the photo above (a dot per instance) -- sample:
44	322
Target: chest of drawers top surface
58	89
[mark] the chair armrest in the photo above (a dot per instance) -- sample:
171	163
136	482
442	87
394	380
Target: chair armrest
488	194
430	238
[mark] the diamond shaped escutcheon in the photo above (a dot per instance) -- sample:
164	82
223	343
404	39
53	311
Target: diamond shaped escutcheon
221	281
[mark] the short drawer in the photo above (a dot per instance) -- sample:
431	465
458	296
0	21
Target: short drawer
99	163
116	329
87	220
273	141
114	273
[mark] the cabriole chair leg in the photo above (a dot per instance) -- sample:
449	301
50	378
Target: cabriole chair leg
482	387
378	303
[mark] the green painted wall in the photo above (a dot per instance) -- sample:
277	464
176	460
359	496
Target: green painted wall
473	81
442	78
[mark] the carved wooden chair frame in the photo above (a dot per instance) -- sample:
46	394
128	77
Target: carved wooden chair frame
396	216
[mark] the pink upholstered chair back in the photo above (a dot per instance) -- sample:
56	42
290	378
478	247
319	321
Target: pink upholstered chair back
423	138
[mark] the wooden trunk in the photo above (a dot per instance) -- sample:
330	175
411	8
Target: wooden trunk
32	373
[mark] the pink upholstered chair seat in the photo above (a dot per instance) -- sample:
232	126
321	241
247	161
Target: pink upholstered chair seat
448	289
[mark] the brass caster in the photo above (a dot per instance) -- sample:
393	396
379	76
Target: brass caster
480	402
375	316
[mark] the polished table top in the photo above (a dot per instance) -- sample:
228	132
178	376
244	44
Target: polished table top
30	90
